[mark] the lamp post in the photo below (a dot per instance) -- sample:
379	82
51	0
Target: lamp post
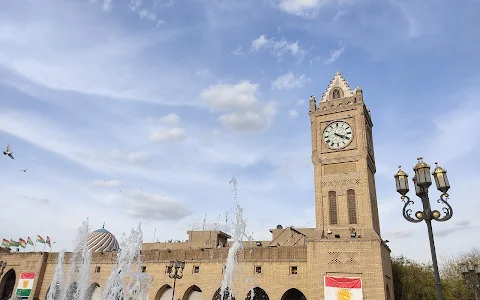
422	181
175	274
471	275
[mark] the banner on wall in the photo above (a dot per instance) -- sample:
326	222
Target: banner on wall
343	288
25	284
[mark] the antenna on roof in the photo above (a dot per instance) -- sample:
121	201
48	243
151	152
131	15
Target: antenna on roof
226	222
204	221
218	223
103	227
154	234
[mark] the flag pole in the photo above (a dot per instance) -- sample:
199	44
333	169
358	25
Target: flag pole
35	246
44	245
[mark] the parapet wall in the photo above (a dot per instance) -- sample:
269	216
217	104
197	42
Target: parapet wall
152	256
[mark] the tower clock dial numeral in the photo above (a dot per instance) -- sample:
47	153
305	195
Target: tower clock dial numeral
337	135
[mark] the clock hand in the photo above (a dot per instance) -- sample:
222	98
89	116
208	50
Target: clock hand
339	135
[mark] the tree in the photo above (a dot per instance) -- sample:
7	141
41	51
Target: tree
452	274
413	280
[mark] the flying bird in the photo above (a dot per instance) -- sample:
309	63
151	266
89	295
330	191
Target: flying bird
8	152
25	170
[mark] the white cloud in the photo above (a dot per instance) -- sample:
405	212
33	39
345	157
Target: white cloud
170	119
238	51
252	120
94	56
277	48
290	81
293	113
300	102
339	14
203	73
302	8
413	27
154	206
167	134
141	157
334	55
106	183
246	112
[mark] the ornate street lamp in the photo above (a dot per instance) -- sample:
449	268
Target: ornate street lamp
422	181
175	274
471	275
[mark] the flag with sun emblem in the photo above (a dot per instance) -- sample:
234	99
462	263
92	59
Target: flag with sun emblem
343	288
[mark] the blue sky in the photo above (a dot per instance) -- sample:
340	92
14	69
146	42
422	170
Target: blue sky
142	111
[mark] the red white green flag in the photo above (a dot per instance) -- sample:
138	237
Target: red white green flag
25	284
48	242
29	241
340	288
22	243
13	243
5	243
40	239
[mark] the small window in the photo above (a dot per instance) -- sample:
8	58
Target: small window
97	269
336	94
258	269
196	269
223	269
168	270
293	270
352	207
144	269
332	201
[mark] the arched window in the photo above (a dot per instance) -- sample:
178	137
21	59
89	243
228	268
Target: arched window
352	207
336	94
332	201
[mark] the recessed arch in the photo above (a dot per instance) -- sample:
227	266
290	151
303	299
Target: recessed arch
332	205
258	294
7	285
94	292
293	294
164	293
336	93
226	295
193	293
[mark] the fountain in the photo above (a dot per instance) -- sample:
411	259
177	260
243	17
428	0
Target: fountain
226	290
126	280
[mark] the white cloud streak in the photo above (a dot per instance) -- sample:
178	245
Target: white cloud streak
290	81
278	48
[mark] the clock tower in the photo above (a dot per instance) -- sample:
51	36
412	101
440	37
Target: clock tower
347	238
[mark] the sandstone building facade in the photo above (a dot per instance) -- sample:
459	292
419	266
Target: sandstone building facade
291	266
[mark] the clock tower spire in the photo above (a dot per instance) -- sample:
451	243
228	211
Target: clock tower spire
347	238
342	155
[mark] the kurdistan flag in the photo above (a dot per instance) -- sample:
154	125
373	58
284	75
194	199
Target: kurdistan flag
29	241
22	243
40	239
343	288
5	243
48	242
25	284
13	243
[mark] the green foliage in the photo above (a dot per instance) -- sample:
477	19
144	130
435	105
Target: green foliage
414	280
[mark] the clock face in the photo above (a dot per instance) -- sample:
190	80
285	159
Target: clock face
337	135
